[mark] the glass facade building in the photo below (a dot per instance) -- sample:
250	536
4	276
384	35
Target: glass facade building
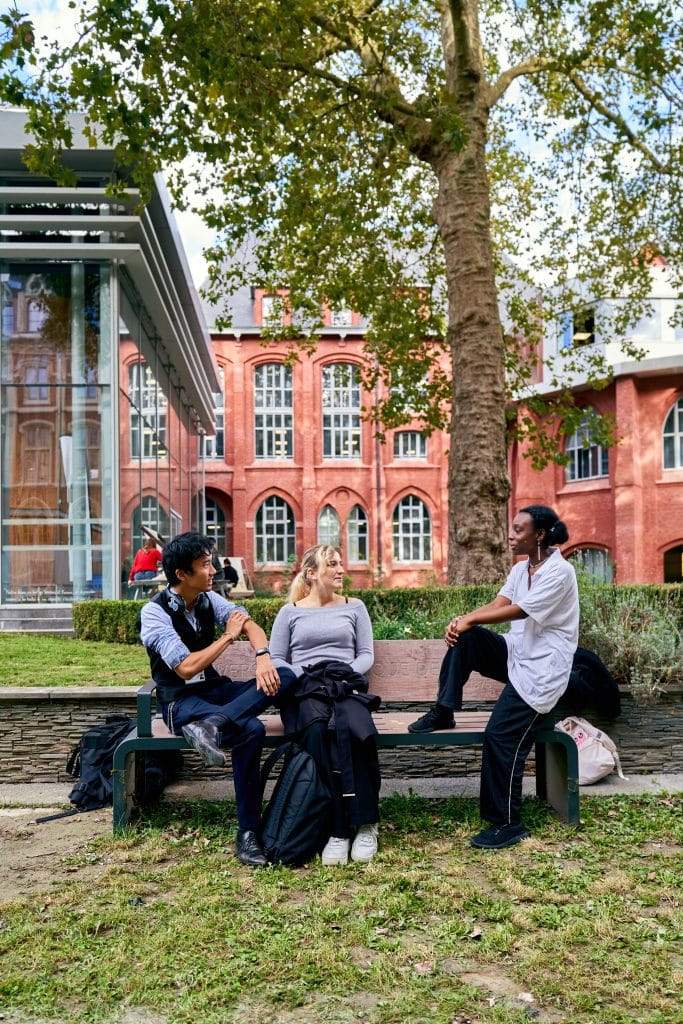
107	377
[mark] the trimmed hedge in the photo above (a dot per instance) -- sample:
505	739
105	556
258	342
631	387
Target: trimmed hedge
431	607
420	612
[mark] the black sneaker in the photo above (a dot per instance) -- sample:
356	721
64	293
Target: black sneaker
438	717
497	837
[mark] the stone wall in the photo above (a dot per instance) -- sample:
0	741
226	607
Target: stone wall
39	726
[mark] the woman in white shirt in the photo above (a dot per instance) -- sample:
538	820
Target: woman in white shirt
540	600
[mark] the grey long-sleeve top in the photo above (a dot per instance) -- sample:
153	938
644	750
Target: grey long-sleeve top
338	632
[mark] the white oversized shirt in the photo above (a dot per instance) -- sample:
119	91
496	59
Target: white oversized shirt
541	647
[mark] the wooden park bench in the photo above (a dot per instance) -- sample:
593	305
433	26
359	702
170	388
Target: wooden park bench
405	672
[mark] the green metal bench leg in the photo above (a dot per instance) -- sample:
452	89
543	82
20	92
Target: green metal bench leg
557	775
123	779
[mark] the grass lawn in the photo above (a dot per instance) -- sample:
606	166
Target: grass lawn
571	926
31	660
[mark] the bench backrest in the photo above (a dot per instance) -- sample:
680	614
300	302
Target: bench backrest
404	670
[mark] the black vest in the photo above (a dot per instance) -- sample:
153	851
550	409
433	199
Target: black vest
169	684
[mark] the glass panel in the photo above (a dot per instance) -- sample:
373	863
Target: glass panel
55	404
328	527
341	411
357	535
412	531
274	533
273	412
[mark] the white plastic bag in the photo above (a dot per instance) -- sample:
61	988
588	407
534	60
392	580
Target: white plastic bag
598	755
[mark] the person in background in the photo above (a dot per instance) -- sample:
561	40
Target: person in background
178	628
326	639
219	572
540	601
230	573
146	562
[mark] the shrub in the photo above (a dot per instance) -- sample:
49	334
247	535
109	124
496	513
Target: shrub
636	632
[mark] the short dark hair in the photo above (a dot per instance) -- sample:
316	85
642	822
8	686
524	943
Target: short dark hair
182	551
547	519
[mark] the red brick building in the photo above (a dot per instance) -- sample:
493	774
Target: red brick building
296	462
623	506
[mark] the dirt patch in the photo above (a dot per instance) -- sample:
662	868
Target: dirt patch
37	857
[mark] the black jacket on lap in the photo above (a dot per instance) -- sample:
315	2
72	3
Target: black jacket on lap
333	692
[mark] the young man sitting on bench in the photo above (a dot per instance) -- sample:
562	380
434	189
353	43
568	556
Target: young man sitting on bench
178	628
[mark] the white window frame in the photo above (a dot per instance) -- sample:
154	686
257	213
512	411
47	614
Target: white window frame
342	316
672	437
410	444
216	526
577	329
272	310
341	411
595	562
273	412
357	533
147	414
586	461
214	445
152	515
329	527
411	530
274	532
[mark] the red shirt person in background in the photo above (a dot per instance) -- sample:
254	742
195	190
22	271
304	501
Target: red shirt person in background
146	562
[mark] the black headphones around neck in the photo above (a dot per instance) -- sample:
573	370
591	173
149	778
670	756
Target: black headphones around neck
176	602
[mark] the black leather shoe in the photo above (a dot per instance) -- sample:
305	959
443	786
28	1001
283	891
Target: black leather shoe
438	717
248	849
205	738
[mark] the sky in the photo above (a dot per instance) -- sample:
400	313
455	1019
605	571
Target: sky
54	19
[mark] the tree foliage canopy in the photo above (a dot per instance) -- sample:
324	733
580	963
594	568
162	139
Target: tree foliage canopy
333	135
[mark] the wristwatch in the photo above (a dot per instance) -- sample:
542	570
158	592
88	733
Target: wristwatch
261	650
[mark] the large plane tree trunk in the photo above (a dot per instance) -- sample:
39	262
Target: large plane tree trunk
478	485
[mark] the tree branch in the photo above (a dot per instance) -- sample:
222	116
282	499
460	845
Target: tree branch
532	66
619	122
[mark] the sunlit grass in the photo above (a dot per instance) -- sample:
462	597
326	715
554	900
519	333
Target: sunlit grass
586	922
31	660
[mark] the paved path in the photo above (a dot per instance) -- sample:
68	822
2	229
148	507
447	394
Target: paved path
55	795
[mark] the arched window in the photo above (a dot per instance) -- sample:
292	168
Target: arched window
274	535
273	411
151	514
341	411
215	524
595	562
586	459
412	529
672	437
357	535
673	565
328	526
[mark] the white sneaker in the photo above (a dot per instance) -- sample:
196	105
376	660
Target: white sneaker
365	844
336	852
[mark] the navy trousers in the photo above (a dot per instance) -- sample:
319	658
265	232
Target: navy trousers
240	703
511	729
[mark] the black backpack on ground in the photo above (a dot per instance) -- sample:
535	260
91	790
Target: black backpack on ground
295	822
92	762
